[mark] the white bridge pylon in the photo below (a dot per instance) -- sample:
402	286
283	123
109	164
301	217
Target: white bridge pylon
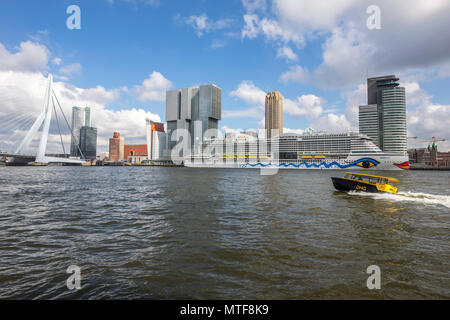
44	118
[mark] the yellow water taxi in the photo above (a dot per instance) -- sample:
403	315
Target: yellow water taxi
365	182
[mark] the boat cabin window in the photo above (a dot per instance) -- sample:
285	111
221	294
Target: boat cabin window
367	178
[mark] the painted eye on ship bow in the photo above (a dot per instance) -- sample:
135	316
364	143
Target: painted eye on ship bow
366	163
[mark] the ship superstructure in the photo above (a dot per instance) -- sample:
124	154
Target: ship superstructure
311	150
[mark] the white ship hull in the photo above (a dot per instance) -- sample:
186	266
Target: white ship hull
365	162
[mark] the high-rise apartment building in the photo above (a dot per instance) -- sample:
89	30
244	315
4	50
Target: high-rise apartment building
384	118
274	113
196	110
88	142
116	147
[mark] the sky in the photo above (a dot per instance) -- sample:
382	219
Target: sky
127	53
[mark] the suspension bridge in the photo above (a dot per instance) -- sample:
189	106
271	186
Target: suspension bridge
21	157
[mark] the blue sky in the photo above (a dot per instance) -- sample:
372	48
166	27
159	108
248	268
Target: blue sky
122	42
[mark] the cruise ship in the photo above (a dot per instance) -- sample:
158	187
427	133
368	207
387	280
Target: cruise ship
311	150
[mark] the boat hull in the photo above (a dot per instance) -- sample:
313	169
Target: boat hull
361	162
349	185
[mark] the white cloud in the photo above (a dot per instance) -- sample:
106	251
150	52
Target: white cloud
295	74
253	96
415	95
308	16
74	68
251	28
56	61
270	29
306	105
203	24
250	93
256	112
427	119
254	5
99	94
410	39
354	99
153	88
30	57
334	123
298	131
287	53
345	58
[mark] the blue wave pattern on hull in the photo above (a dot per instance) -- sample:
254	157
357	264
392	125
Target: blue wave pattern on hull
323	164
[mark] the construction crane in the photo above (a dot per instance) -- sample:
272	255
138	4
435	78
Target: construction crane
433	139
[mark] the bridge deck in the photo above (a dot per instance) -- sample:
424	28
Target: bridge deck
29	158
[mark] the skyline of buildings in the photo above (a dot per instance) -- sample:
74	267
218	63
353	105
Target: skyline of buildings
136	153
383	119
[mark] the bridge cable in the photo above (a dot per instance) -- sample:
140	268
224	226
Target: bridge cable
59	128
71	132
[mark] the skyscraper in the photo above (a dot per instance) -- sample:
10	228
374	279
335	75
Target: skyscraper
274	113
384	118
369	122
87	117
188	108
88	142
84	137
78	120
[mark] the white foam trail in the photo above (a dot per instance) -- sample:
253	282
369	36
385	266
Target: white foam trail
424	198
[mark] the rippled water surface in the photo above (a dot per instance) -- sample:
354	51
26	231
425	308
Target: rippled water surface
173	233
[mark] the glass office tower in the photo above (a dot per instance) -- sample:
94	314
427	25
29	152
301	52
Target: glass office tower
78	120
84	137
384	118
88	142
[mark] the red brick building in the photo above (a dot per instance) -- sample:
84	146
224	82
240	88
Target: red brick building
135	153
135	150
116	147
429	157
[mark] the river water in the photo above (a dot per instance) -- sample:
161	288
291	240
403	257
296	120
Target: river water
182	233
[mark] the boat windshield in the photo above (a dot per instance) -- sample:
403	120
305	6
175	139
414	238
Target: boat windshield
367	178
